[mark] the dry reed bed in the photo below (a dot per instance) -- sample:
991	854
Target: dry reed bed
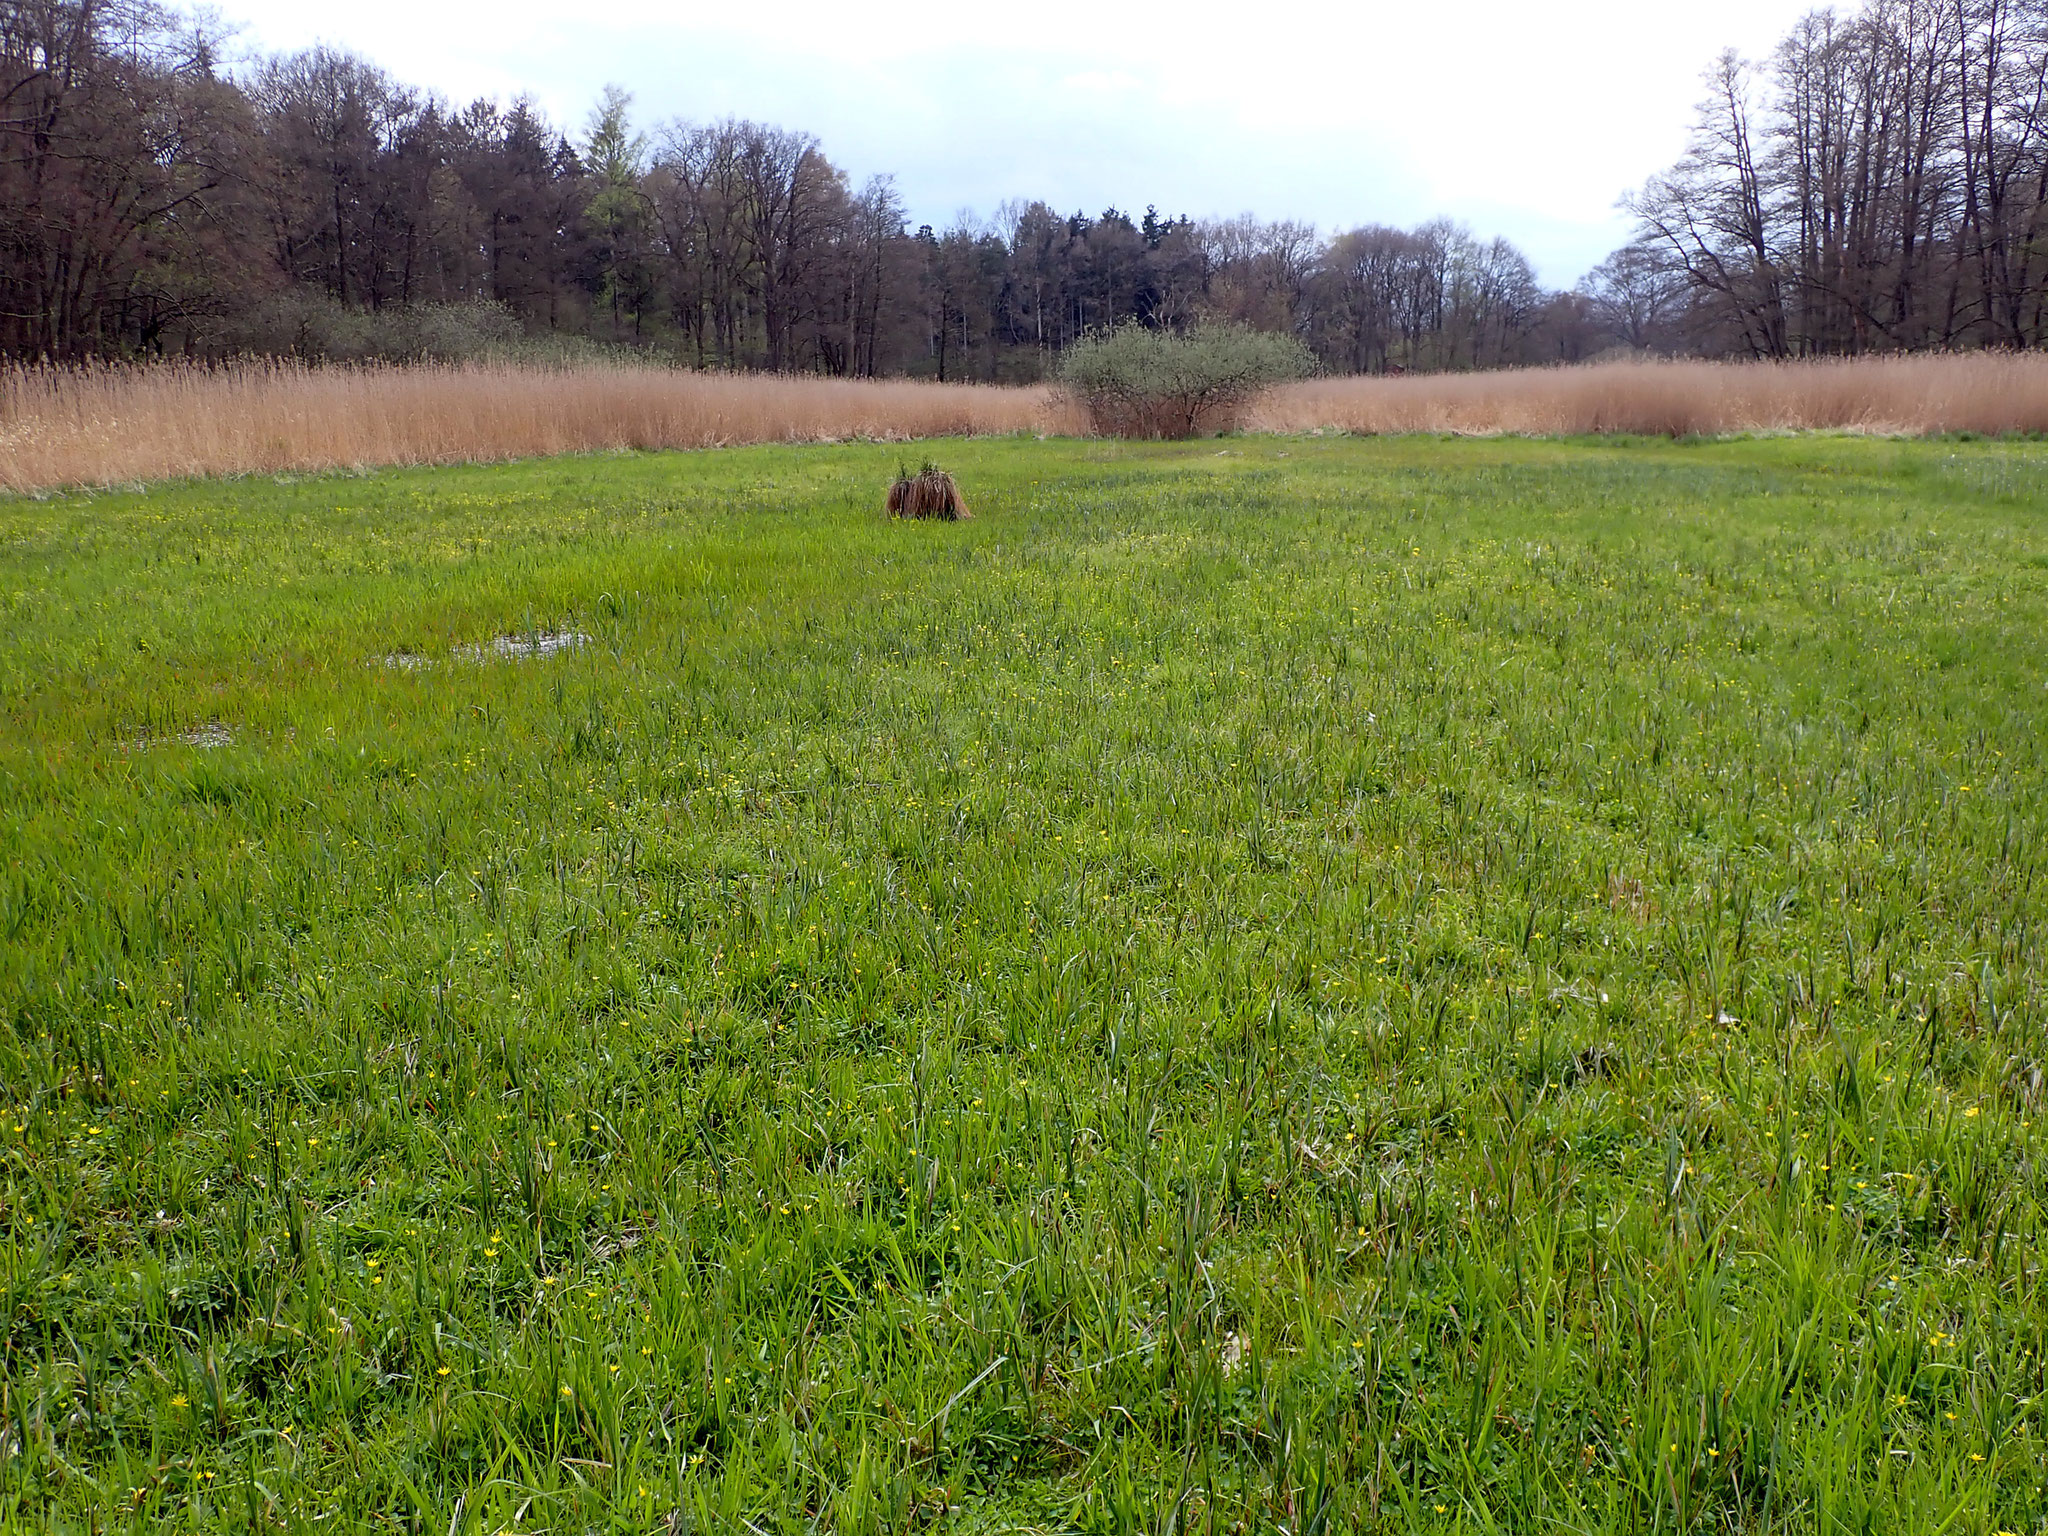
110	426
1976	392
105	426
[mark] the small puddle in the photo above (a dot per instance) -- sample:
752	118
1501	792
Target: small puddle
546	642
512	647
212	734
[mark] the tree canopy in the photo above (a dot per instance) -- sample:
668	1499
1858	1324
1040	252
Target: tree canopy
1879	183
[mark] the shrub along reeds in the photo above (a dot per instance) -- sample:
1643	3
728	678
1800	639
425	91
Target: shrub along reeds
1138	382
99	426
1952	392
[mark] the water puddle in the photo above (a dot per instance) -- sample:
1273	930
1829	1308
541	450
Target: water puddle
544	642
210	735
513	647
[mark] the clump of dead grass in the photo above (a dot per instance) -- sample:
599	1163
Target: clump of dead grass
930	493
1912	395
110	426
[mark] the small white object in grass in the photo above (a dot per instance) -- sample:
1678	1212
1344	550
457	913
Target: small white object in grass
1232	1354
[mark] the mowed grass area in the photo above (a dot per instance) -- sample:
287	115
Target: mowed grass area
1284	984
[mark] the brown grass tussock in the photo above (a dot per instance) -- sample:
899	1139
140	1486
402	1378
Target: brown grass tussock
930	493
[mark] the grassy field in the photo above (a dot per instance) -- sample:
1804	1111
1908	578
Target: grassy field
1283	984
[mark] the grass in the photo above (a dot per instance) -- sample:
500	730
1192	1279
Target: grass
1402	985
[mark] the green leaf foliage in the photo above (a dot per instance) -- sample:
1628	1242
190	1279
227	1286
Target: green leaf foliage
1139	382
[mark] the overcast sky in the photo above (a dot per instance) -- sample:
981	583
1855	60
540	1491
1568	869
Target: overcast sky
1527	118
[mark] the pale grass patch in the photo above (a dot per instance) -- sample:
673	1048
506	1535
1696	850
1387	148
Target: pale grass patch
110	426
1956	392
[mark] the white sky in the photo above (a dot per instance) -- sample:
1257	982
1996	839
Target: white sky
1525	119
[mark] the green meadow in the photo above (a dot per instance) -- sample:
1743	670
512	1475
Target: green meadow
1296	985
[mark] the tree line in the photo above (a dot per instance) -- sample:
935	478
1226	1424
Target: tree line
1879	184
154	201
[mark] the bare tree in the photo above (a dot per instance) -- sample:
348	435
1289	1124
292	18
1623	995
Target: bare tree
1883	185
120	151
1639	298
1708	213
